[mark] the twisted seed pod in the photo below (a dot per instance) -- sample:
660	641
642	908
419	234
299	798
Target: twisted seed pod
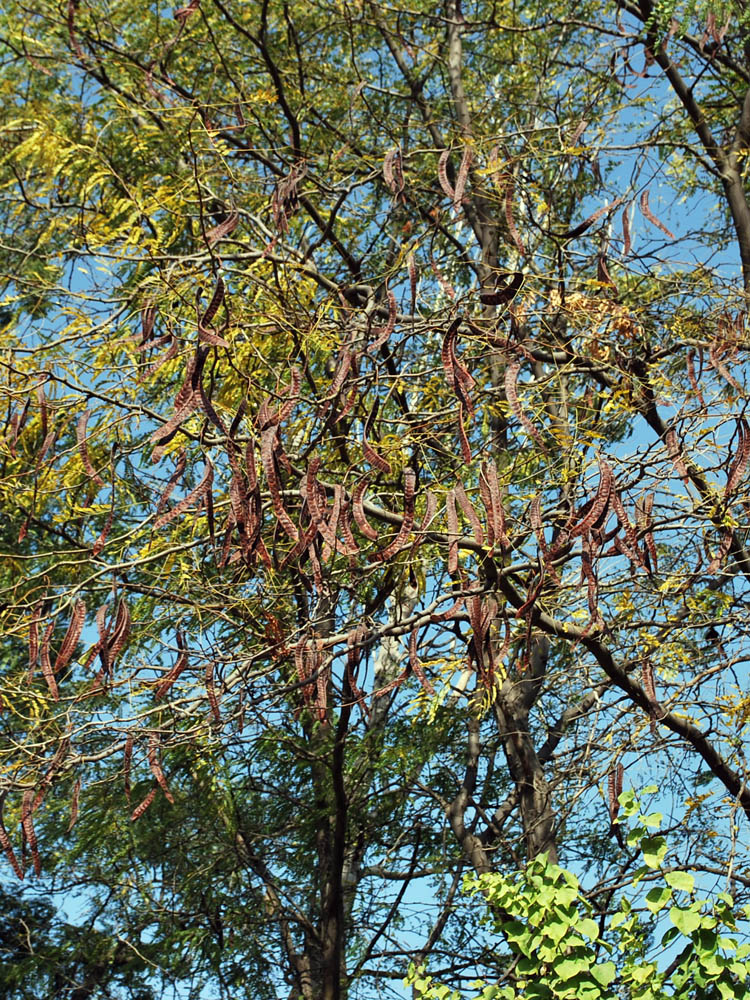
267	441
83	448
407	523
600	504
292	395
651	217
7	846
463	173
229	225
72	636
47	671
196	494
511	394
172	676
140	809
153	761
74	804
471	514
27	825
358	511
442	170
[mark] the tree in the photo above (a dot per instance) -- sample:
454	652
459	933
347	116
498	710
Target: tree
377	476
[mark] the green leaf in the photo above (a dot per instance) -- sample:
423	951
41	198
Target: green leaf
628	802
604	973
653	820
588	927
654	849
669	937
657	898
686	921
567	968
706	941
682	881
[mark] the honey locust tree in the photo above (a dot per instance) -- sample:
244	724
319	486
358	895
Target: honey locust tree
375	466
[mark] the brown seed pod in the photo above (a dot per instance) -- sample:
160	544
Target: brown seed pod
223	229
27	824
471	514
463	173
72	636
442	170
651	217
45	661
511	394
358	511
143	806
172	675
7	846
267	441
407	524
153	761
83	448
187	501
74	804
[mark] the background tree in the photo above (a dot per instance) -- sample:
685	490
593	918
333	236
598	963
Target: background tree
377	474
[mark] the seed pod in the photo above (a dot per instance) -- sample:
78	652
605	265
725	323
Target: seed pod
223	229
358	511
196	494
384	333
83	448
172	675
442	170
471	514
72	636
27	825
511	394
651	217
6	844
140	809
153	761
46	665
408	521
74	804
268	439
